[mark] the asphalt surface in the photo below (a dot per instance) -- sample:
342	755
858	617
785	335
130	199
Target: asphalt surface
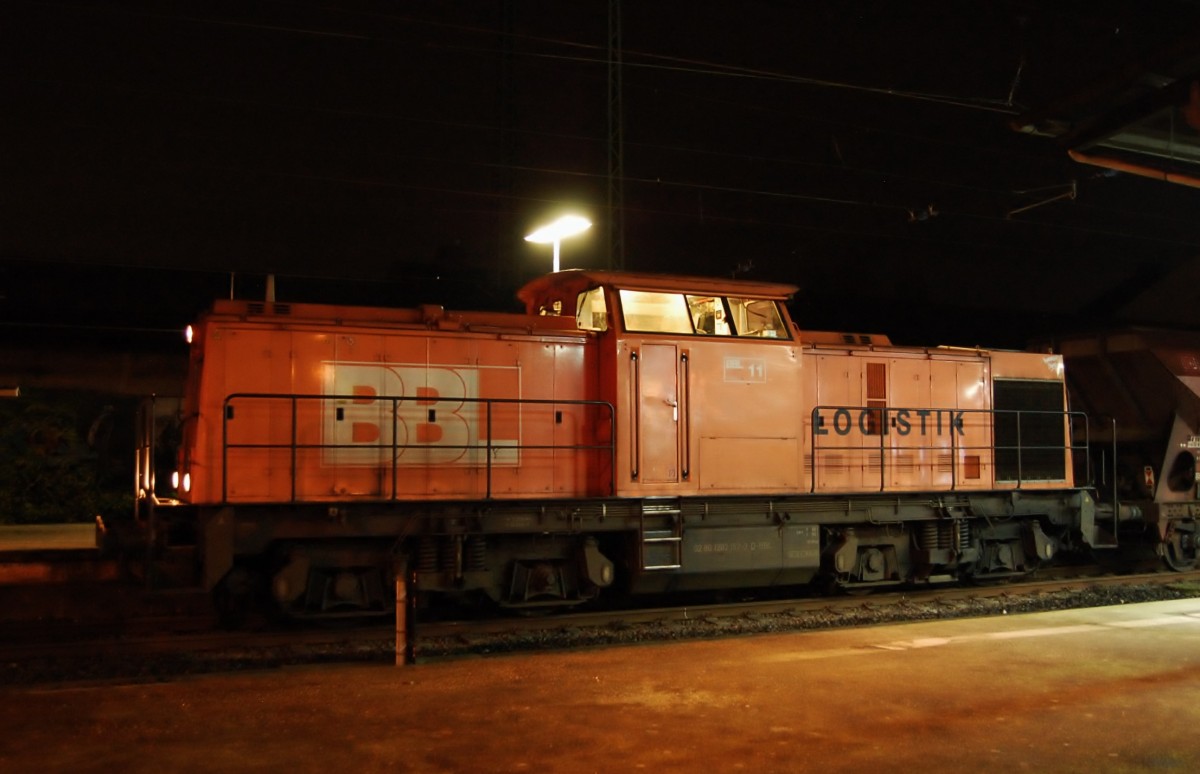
1096	690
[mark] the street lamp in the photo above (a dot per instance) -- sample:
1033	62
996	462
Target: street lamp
566	226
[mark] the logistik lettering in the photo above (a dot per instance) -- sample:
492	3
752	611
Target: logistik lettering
873	421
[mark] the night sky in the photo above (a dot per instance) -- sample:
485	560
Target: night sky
397	152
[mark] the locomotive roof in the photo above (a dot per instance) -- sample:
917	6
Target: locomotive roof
572	282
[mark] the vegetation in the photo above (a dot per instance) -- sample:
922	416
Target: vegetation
65	457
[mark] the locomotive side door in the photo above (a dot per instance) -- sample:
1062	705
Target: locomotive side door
657	384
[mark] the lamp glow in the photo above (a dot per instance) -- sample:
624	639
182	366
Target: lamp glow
566	226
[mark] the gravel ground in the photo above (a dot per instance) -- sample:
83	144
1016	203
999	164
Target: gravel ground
111	664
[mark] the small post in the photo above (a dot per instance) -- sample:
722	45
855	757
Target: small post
403	629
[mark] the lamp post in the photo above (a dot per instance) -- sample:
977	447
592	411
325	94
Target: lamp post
566	226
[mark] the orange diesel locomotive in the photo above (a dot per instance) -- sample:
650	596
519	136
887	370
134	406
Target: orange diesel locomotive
629	433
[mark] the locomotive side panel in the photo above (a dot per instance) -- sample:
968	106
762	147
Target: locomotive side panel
337	363
717	416
896	421
833	460
968	430
745	424
1033	432
239	359
323	415
919	447
486	416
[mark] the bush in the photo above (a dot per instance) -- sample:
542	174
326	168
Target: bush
62	457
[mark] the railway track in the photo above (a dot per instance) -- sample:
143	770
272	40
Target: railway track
160	647
812	612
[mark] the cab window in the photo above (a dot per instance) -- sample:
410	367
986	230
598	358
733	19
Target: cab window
655	312
757	318
708	315
650	312
591	313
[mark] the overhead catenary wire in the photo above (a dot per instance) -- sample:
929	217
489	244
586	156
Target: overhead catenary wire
648	60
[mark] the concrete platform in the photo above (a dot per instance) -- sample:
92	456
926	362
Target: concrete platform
17	538
52	553
1094	690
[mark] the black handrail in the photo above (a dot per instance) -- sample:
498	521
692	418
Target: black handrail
956	422
485	444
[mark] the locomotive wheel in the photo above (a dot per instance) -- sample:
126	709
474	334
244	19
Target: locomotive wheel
1179	549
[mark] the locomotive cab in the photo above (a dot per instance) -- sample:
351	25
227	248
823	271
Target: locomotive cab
725	406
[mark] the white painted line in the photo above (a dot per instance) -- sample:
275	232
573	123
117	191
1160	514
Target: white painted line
1162	620
933	642
1173	619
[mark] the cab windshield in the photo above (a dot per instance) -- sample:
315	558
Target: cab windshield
679	313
